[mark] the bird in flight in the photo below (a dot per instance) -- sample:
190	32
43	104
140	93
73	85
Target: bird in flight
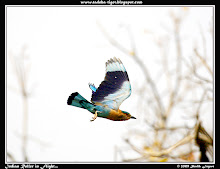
110	94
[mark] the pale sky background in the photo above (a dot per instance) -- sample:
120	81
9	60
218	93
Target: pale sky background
67	50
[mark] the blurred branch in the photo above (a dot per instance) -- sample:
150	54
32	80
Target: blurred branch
146	154
133	159
203	62
33	138
10	156
204	43
174	93
13	89
185	157
173	128
21	74
200	105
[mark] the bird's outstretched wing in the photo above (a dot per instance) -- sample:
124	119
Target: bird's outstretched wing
116	86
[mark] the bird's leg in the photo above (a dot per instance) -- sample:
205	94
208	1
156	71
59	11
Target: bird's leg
95	116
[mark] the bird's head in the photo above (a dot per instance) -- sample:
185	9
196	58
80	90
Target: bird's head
129	116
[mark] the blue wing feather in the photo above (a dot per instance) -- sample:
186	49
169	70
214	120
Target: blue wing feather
116	86
92	87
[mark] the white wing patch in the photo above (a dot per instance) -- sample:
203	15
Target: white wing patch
116	65
114	100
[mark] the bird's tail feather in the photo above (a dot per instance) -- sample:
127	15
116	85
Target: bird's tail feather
75	99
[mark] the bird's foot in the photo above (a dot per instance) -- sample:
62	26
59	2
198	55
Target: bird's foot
95	116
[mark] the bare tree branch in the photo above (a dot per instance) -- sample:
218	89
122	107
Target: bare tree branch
203	62
21	74
10	156
164	151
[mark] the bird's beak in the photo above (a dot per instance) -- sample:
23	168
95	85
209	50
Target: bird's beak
132	117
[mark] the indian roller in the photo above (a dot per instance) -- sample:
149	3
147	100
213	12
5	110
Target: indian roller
107	98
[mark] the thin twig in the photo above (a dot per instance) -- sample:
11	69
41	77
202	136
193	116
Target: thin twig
20	72
203	62
10	156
